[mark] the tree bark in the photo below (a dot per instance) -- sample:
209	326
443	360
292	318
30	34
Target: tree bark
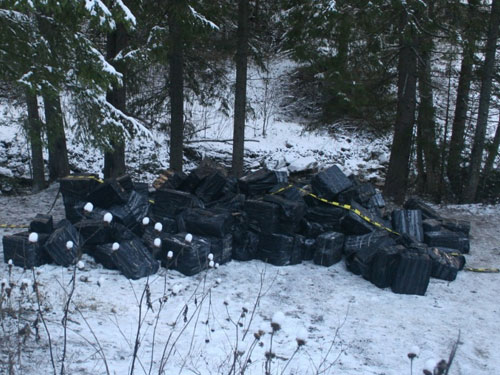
34	130
426	119
492	153
114	160
240	95
396	182
469	194
457	141
176	90
56	138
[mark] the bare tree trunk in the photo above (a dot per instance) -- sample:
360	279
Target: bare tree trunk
240	97
56	138
114	160
492	152
457	141
426	120
396	182
34	130
176	90
469	194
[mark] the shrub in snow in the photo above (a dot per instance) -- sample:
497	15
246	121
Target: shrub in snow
145	221
33	237
89	207
210	256
211	264
216	265
301	337
108	217
10	263
277	321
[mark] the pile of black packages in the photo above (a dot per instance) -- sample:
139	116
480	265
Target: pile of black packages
279	249
23	253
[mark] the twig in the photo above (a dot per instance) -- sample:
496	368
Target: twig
40	314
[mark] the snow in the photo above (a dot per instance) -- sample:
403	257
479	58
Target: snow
69	245
158	227
145	221
157	242
108	217
89	207
188	238
115	246
33	237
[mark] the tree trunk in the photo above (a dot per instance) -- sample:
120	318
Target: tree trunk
457	141
176	90
56	138
396	181
484	104
240	95
426	120
34	130
492	153
114	160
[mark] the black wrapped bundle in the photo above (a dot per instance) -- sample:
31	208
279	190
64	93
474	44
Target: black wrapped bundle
172	202
189	258
415	203
208	222
385	264
329	248
413	273
212	187
360	193
444	265
261	181
330	182
329	217
449	239
78	186
23	253
134	260
408	222
56	244
276	249
262	216
42	224
108	194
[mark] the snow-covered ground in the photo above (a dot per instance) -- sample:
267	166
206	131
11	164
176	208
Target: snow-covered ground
347	322
196	324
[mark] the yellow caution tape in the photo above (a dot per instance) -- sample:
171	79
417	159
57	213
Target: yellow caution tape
73	177
340	205
14	226
482	270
